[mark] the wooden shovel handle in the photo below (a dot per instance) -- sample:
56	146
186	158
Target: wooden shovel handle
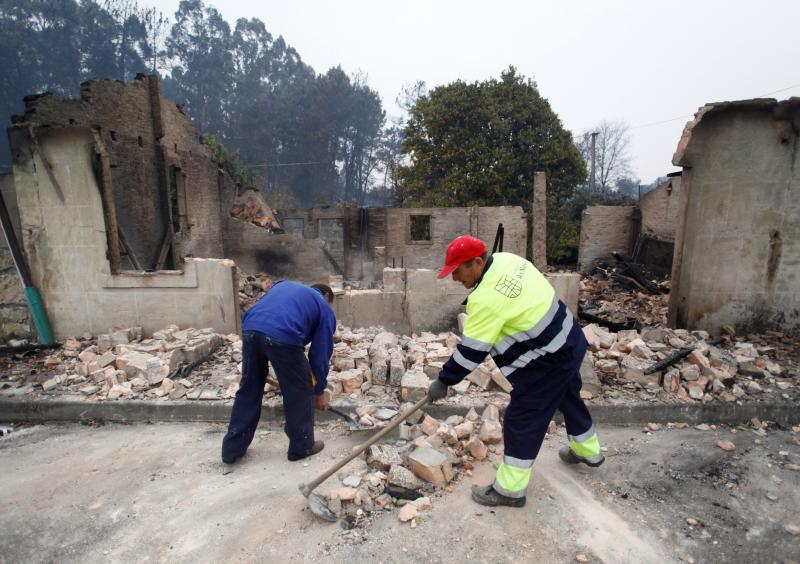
308	488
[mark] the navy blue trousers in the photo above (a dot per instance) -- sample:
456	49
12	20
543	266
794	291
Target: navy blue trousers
549	383
294	376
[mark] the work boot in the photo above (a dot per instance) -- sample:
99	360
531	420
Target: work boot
318	446
487	495
566	454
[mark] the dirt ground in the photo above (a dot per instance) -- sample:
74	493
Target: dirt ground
154	493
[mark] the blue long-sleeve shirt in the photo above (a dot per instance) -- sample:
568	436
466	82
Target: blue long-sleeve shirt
295	314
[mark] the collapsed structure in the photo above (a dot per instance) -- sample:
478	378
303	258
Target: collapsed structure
126	219
126	308
117	197
726	227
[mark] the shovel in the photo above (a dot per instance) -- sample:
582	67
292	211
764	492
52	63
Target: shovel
352	424
317	503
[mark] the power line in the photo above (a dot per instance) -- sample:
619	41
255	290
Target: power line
691	115
781	90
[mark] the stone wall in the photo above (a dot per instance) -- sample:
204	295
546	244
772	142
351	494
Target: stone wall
414	300
737	250
66	244
659	209
15	319
605	229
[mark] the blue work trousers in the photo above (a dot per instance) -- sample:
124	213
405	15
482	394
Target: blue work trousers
549	383
294	376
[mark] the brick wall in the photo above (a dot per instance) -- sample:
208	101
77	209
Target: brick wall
605	229
310	255
660	209
144	135
66	246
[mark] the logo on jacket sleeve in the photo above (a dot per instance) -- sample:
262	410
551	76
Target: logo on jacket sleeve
509	286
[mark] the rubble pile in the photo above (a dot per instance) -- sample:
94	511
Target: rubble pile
367	358
123	365
731	370
605	300
429	457
371	367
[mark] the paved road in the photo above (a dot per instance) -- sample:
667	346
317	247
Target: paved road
155	493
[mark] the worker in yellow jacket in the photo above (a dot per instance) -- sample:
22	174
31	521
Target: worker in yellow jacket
536	343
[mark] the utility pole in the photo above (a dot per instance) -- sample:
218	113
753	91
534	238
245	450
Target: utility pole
592	177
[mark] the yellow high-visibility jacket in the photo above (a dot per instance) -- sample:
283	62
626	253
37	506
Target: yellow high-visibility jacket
514	314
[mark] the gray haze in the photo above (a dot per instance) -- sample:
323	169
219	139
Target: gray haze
641	62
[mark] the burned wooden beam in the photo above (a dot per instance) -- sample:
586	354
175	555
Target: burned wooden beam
166	244
636	273
607	323
103	174
675	357
128	250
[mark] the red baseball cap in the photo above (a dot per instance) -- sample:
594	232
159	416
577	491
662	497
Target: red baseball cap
459	251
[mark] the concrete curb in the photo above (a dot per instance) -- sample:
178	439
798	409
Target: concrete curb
51	410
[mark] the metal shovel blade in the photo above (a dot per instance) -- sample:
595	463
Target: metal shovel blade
352	424
318	505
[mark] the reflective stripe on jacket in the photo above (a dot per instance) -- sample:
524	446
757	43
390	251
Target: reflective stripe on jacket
514	314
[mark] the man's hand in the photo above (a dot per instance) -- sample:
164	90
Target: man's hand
437	390
321	402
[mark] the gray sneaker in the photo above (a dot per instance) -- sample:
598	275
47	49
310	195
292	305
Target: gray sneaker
566	454
487	495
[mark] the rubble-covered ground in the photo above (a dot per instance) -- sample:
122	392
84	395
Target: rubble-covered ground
671	493
371	366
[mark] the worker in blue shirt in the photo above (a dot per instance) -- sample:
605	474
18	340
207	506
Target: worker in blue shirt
275	331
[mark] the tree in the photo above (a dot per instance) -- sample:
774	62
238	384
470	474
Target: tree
612	161
629	187
409	94
481	143
199	46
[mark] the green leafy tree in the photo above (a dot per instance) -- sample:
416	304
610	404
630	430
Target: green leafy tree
199	46
481	143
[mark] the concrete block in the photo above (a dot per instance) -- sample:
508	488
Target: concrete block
401	476
105	359
414	386
431	465
477	448
383	457
397	370
133	363
567	286
481	377
501	381
429	425
589	378
491	413
464	430
491	432
351	381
